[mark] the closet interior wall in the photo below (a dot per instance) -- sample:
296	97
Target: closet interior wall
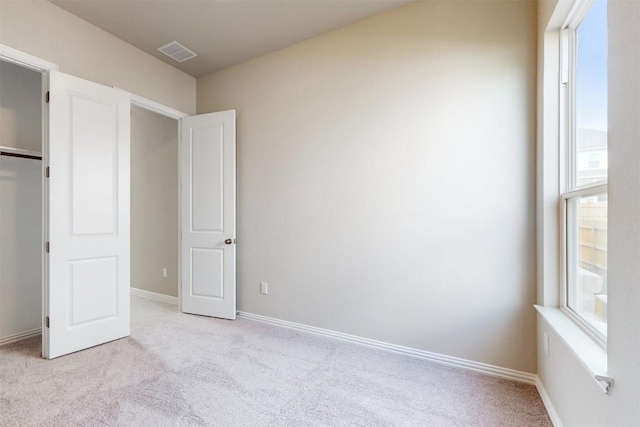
20	202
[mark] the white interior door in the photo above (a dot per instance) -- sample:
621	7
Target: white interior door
208	212
87	267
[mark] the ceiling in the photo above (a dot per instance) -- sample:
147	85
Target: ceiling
221	32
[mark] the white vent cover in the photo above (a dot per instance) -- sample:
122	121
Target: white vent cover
177	52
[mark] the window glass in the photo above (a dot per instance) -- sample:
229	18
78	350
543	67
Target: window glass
586	208
591	95
587	291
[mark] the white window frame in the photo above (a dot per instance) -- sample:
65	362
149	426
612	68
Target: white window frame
568	160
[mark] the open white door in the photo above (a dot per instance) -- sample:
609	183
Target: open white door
208	211
87	268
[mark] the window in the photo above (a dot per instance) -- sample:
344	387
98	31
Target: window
584	195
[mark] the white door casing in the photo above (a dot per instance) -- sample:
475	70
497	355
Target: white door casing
208	184
87	272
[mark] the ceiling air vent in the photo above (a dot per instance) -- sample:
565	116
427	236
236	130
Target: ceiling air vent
177	52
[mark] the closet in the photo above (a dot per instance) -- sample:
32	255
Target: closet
20	202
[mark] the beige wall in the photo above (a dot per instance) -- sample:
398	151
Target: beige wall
386	182
154	202
44	30
20	107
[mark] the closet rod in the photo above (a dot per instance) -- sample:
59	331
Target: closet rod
22	156
18	152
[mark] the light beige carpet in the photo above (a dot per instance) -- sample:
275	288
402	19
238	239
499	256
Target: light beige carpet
182	370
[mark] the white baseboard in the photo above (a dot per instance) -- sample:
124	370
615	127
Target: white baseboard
19	337
555	419
484	368
154	296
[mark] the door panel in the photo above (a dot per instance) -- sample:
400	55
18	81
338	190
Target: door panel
87	297
208	177
93	149
207	267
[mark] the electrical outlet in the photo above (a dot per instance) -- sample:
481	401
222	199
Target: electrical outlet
164	273
264	288
545	343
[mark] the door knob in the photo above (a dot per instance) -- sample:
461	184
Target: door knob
228	241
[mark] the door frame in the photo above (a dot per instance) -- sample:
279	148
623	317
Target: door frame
163	110
25	60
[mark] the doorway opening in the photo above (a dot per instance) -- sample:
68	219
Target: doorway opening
154	205
21	202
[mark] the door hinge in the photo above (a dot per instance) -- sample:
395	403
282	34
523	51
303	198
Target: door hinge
46	97
46	321
46	247
46	172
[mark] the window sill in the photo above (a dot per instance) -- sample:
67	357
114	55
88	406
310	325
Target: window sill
586	350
